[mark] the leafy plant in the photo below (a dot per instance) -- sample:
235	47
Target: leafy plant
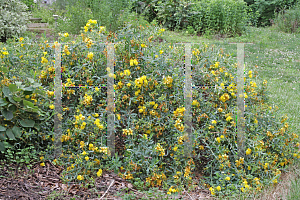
13	18
289	20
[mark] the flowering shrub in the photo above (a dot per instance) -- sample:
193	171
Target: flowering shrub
150	108
13	18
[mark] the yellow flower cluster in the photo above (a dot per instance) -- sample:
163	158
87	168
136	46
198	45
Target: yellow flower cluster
195	103
89	24
98	124
250	74
142	81
66	50
172	190
127	131
90	55
180	139
160	149
179	126
69	83
224	97
87	99
179	112
168	81
158	178
246	186
239	162
133	62
44	60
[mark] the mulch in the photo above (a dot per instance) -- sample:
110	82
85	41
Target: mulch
18	182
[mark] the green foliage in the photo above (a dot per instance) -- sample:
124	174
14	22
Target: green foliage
223	16
29	3
13	18
217	16
46	13
108	13
268	8
289	20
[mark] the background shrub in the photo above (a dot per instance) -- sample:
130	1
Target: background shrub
289	20
223	16
108	13
13	18
268	8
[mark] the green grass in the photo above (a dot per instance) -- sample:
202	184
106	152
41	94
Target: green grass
277	56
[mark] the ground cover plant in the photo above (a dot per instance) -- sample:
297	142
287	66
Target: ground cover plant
149	81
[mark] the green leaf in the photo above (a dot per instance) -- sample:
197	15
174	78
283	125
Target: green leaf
28	103
2	136
11	99
2	128
3	102
18	99
10	134
12	87
27	123
6	91
2	147
17	131
7	114
12	107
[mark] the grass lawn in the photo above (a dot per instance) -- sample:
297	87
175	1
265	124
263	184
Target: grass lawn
277	57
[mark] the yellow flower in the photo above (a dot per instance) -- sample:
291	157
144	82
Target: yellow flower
86	158
161	51
90	55
44	60
274	181
84	153
42	164
21	39
213	121
175	148
66	34
128	84
52	106
218	188
127	72
227	178
143	45
218	140
80	177
220	109
248	151
99	173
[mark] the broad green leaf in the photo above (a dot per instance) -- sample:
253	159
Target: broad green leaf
18	99
17	131
11	99
2	135
30	80
7	114
12	87
27	123
6	91
3	102
2	147
10	134
12	108
2	128
28	103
